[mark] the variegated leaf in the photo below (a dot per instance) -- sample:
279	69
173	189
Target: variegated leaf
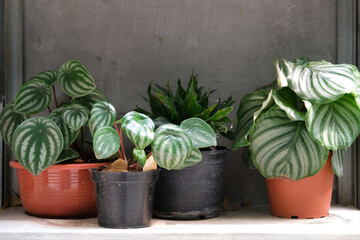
102	114
334	125
201	134
69	135
321	82
106	142
49	77
139	128
287	100
139	156
284	148
66	154
171	146
75	80
37	143
337	161
194	158
75	116
89	99
33	97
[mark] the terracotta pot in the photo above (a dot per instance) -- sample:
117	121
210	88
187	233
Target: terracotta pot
306	198
61	191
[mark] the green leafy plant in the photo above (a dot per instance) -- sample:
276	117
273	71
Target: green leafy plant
169	107
40	142
290	129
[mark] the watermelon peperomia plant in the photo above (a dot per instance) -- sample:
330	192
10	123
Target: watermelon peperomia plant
39	142
289	130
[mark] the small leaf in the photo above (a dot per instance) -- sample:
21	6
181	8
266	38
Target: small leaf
287	100
66	154
220	114
106	142
139	156
337	161
49	77
194	158
102	114
75	116
90	99
201	134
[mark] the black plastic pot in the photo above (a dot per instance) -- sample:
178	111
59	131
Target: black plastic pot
194	192
124	199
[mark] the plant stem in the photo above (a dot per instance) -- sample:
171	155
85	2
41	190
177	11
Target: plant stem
122	153
49	109
56	102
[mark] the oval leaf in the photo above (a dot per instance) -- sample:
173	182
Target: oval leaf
66	154
9	121
336	124
90	99
75	80
139	156
201	134
102	114
284	148
49	77
37	143
287	100
106	142
75	116
33	97
139	128
171	146
194	158
337	161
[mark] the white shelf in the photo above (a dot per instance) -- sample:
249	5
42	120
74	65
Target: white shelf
248	223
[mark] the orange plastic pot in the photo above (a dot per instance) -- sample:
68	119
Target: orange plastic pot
306	198
61	191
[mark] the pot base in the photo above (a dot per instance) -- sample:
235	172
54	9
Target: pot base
190	215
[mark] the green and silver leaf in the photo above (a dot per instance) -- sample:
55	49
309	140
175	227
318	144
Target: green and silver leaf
9	121
194	158
37	143
171	146
106	142
334	125
139	128
102	114
75	116
337	161
33	97
66	154
201	134
75	80
139	156
284	148
49	77
287	100
90	99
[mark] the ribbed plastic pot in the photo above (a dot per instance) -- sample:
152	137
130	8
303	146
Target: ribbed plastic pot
60	191
194	192
304	199
125	199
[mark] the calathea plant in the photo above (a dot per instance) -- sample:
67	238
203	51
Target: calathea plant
289	130
39	142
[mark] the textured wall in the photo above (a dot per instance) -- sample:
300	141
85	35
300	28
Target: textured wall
231	45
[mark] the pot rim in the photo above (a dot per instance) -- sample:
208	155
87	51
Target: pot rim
71	166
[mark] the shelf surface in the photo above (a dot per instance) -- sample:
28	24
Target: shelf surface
253	222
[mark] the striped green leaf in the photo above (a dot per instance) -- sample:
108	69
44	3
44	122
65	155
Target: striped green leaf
284	148
251	106
334	125
287	100
75	80
66	154
247	158
194	158
102	114
106	142
89	99
37	143
139	128
9	121
139	156
75	116
201	134
320	82
337	161
33	97
69	135
171	146
49	77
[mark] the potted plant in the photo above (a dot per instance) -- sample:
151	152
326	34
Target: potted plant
49	185
190	192
296	133
125	188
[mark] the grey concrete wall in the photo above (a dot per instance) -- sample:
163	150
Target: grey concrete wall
230	43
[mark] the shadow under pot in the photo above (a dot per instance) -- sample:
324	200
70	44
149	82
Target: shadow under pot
124	199
194	192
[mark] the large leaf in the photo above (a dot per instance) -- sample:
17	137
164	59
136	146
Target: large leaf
287	100
139	128
89	99
37	143
337	161
194	158
102	114
201	134
284	148
171	146
33	97
251	106
106	142
246	156
75	80
75	116
69	135
66	154
9	121
49	77
334	125
320	82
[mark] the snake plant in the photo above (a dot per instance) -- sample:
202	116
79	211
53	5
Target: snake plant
290	129
40	142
